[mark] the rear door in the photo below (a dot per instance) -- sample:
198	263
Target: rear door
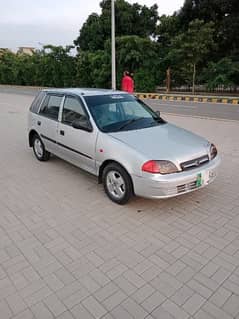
76	145
47	122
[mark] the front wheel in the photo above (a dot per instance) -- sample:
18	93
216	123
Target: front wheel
117	183
39	149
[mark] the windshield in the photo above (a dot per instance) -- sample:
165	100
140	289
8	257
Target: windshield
116	112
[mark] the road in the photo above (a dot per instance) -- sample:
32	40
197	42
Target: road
67	251
198	109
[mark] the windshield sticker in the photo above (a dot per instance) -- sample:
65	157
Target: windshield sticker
117	96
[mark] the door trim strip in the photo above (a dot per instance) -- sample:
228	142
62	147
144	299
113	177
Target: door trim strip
66	147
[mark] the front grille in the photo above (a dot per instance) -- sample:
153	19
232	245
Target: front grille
196	162
186	187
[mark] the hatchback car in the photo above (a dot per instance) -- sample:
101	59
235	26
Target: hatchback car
118	138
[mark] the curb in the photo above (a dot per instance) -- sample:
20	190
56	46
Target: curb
189	98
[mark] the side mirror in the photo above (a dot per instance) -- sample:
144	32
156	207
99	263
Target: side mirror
158	113
82	124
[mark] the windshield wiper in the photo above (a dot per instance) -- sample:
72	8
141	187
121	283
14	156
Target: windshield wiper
130	122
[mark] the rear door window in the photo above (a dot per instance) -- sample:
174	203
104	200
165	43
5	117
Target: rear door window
51	105
37	102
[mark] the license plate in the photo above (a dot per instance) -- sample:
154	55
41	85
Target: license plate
206	177
199	180
203	178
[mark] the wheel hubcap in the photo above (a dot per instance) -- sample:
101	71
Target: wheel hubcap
115	184
38	147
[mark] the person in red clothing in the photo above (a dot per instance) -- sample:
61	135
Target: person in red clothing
127	84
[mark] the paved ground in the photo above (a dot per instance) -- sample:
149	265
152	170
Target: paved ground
199	109
67	252
21	90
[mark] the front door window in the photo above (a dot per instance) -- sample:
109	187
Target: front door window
72	110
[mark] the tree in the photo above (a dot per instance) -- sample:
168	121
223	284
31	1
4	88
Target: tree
91	35
51	66
167	29
138	55
135	51
93	69
25	69
223	73
7	68
224	14
130	20
192	47
56	66
203	33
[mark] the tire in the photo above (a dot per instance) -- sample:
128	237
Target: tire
39	149
117	183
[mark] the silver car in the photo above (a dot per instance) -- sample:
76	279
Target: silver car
118	138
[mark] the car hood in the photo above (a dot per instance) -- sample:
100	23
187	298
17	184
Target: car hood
164	142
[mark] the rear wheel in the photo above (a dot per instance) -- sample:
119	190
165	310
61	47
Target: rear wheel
39	149
117	183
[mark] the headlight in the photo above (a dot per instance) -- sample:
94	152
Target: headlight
159	167
213	151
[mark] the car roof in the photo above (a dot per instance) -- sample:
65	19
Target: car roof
84	91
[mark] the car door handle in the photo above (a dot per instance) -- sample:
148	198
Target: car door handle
39	123
62	132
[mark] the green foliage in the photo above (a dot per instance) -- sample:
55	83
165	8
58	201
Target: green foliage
51	66
224	14
190	48
145	81
138	55
223	73
167	29
200	43
130	20
91	34
93	69
197	41
56	66
7	68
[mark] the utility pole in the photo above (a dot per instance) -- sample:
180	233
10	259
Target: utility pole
113	70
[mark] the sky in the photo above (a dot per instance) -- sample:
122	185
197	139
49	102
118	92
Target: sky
36	23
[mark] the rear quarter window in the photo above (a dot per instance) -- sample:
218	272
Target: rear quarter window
37	102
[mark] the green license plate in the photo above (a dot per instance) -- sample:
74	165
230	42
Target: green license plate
199	180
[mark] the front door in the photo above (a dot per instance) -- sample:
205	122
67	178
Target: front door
76	145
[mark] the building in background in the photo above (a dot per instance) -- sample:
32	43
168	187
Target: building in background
26	50
4	50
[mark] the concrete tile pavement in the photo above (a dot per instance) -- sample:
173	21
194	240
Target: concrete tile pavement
67	252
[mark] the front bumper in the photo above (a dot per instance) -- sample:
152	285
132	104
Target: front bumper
165	186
